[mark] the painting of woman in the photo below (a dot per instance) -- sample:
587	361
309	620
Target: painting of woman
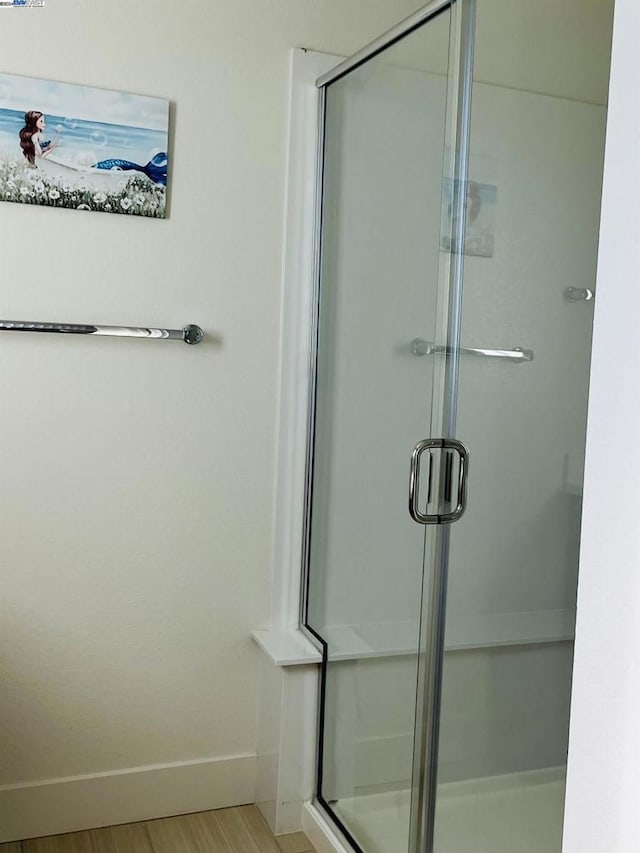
32	139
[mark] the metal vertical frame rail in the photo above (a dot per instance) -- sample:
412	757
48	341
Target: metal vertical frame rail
434	616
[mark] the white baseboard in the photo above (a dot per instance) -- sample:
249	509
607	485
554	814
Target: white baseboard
125	796
320	832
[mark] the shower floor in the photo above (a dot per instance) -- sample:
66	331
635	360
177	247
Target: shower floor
520	812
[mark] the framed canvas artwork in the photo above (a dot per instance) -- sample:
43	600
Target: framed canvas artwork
64	145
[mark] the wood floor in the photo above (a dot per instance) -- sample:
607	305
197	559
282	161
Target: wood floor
237	830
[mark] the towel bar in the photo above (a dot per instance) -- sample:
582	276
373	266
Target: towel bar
190	334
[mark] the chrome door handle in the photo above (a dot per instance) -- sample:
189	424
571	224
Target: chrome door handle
414	480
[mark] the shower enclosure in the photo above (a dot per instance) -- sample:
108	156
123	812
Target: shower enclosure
458	209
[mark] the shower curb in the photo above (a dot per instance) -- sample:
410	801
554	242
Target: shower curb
320	833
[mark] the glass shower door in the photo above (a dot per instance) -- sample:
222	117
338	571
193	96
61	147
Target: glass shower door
458	254
536	148
386	145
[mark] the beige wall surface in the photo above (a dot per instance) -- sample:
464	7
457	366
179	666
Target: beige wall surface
137	478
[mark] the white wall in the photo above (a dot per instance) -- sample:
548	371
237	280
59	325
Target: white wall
137	478
515	551
603	786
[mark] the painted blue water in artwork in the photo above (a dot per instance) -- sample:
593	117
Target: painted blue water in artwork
84	142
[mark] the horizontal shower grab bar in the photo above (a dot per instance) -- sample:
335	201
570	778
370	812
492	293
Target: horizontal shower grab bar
517	354
190	334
